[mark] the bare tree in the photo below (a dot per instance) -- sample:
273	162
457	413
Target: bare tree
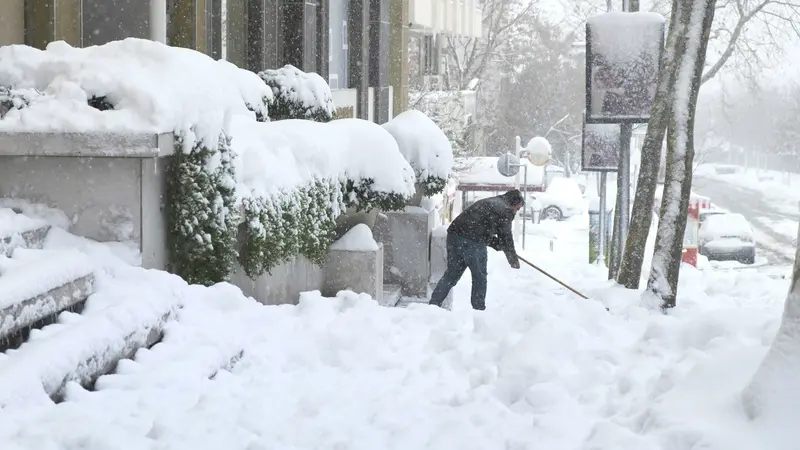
695	19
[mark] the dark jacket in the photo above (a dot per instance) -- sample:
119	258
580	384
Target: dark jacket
488	222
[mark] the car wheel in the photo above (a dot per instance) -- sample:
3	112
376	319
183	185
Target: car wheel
552	213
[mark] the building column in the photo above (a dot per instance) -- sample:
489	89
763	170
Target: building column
398	49
298	21
12	22
323	38
379	57
53	20
189	24
358	64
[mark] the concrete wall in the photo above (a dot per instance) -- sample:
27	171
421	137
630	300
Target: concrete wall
285	283
406	236
101	196
358	271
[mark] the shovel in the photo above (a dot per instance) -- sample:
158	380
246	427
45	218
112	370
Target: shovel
553	278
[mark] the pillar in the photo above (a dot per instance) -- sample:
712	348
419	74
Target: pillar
190	24
359	61
398	49
323	38
52	20
298	21
379	57
12	22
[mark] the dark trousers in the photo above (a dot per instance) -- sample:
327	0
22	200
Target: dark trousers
463	253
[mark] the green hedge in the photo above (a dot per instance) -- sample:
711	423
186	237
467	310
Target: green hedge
11	98
202	213
433	185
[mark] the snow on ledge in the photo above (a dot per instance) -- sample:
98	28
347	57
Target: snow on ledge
128	145
358	239
153	88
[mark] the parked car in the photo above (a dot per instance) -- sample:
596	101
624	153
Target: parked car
562	199
727	236
708	213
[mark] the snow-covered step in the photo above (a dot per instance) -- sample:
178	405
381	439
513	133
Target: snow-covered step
82	351
19	230
37	285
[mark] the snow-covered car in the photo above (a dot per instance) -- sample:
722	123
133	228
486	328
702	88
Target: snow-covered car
562	199
727	236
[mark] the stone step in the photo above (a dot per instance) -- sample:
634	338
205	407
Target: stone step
81	351
405	301
19	230
36	286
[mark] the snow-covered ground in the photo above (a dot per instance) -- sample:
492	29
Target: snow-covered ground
539	369
781	189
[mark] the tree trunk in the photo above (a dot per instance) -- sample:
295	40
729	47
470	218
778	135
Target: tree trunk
690	58
775	381
630	271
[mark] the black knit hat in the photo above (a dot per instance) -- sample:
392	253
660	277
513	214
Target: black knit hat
514	197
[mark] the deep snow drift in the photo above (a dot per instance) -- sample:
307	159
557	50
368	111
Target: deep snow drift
540	369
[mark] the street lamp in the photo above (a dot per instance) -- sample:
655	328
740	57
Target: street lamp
538	152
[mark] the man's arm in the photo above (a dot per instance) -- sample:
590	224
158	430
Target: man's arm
506	240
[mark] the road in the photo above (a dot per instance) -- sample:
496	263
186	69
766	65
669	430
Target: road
777	247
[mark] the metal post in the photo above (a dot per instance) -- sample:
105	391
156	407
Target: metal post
517	152
525	196
602	240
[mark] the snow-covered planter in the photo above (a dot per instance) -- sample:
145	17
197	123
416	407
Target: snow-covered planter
141	86
425	147
298	176
299	95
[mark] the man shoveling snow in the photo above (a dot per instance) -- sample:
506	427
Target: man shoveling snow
486	222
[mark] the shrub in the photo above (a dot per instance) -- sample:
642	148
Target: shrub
298	95
202	215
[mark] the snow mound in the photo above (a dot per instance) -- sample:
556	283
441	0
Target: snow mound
284	155
358	239
422	143
152	88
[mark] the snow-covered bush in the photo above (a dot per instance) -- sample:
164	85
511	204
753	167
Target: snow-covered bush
15	99
425	147
299	95
202	214
297	176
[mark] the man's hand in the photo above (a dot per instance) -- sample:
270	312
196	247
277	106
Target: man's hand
515	265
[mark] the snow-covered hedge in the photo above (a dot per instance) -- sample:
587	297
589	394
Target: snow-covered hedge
425	147
290	178
299	95
297	176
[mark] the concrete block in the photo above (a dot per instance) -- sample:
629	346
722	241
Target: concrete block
359	271
406	239
438	254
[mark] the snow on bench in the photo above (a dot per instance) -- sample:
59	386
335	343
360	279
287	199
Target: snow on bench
36	285
18	230
131	317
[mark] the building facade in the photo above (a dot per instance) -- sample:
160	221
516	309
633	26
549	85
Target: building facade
354	44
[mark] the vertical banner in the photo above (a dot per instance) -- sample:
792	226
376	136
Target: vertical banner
623	56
